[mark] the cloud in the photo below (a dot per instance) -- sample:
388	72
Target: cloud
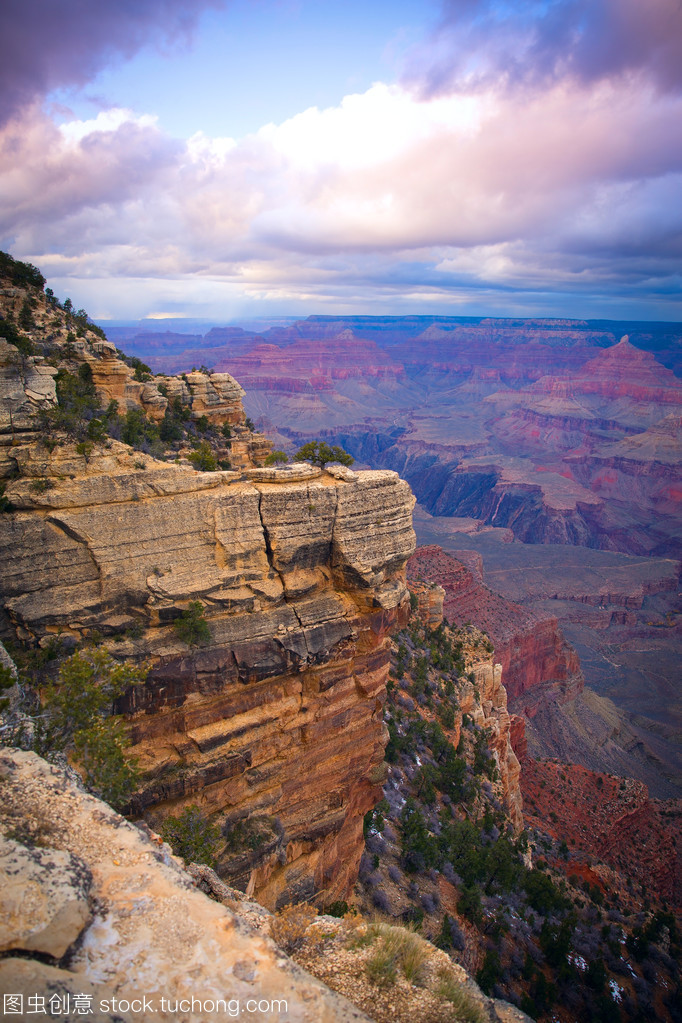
51	175
536	42
46	44
405	199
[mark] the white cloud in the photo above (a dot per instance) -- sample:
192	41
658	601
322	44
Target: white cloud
74	132
370	128
386	193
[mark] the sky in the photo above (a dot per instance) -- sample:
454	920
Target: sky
224	160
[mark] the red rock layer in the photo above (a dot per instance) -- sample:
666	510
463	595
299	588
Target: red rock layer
313	362
530	648
626	371
517	737
612	819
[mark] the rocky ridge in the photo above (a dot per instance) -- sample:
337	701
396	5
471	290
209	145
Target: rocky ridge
49	343
271	717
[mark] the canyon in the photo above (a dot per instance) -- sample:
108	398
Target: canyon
553	449
287	713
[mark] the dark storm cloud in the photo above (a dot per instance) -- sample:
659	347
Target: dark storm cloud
45	44
533	42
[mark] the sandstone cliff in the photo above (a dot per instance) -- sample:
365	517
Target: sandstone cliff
55	339
483	695
275	725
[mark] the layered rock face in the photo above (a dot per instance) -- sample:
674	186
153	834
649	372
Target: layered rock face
487	703
483	695
275	725
27	382
531	648
312	363
429	597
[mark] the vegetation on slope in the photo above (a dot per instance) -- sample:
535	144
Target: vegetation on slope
441	855
38	324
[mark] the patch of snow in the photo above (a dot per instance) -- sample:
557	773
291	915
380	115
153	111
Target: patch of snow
616	991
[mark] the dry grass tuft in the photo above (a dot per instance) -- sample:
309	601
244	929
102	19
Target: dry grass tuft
289	926
397	948
450	990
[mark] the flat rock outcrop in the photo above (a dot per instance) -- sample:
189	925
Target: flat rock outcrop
275	724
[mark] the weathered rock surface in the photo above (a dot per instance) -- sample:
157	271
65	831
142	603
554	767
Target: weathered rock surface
26	385
610	818
276	723
483	696
43	898
430	597
27	382
487	703
149	933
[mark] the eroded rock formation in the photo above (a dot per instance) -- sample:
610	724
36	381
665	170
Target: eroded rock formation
530	647
275	725
27	383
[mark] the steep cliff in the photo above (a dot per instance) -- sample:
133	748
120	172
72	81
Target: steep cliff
272	718
530	647
275	725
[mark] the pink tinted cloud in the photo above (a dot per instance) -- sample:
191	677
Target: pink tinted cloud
570	185
46	177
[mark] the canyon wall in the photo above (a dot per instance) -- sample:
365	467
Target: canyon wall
481	694
531	648
274	726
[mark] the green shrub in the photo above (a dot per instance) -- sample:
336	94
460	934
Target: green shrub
338	908
24	275
276	458
490	971
7	681
192	836
203	458
319	453
191	627
77	719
